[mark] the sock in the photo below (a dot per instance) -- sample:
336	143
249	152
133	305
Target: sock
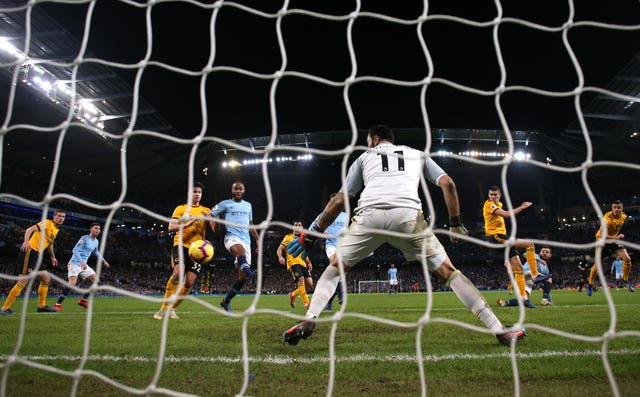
85	296
235	288
302	291
13	295
339	293
43	290
172	286
469	295
626	269
510	287
592	275
531	261
242	260
326	286
511	302
522	286
546	291
63	295
183	291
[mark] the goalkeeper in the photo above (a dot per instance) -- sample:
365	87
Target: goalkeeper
390	175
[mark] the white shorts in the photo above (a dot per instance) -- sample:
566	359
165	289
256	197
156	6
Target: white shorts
231	241
618	276
393	282
330	250
364	236
74	270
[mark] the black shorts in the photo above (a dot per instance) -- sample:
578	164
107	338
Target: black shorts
27	262
611	248
502	239
298	271
190	265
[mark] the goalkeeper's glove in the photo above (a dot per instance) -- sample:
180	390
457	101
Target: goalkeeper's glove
303	244
456	226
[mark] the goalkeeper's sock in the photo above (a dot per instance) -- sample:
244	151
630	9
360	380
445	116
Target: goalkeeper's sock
626	269
592	275
510	288
183	292
43	290
13	295
172	286
522	286
63	295
325	287
302	291
530	255
473	300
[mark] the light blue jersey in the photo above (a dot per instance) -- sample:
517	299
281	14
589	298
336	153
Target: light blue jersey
339	224
617	266
83	250
240	213
393	274
542	267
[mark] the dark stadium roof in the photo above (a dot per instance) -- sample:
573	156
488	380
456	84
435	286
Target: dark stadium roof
309	114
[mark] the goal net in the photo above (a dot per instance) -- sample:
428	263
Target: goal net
376	286
111	110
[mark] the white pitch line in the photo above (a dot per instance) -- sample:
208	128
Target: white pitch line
284	360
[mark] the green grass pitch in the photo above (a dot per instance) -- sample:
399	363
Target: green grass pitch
375	348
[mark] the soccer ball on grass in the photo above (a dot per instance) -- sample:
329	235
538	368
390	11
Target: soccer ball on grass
201	251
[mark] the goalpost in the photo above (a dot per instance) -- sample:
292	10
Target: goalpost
276	61
376	286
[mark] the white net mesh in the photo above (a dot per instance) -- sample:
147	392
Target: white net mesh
270	69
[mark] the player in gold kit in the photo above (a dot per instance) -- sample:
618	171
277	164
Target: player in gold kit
299	268
496	232
191	229
614	220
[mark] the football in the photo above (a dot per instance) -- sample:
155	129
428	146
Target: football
201	251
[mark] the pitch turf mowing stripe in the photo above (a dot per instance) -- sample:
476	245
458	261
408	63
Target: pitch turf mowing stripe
352	358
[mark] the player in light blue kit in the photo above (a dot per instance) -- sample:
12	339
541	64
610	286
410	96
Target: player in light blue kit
237	240
542	261
393	279
77	267
335	230
616	269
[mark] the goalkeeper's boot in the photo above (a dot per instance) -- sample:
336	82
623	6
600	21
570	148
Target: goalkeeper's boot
46	309
589	290
83	302
7	312
511	337
159	315
292	300
226	306
172	314
527	303
302	330
541	277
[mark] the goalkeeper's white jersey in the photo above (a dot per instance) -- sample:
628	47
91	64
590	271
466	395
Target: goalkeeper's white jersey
390	175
